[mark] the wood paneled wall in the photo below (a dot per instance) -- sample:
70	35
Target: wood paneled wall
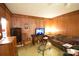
4	12
68	24
27	23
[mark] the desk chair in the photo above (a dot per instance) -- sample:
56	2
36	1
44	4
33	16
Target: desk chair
42	47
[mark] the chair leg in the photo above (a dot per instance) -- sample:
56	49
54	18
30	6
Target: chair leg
42	53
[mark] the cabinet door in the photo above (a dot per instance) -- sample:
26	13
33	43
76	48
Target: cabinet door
12	48
4	50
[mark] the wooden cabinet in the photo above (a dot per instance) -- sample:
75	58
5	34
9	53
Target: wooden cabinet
18	33
8	47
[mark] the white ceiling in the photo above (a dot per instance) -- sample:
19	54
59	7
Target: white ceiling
46	10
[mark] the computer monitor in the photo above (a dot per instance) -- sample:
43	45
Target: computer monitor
40	31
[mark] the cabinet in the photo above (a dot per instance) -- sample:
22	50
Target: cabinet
8	47
18	33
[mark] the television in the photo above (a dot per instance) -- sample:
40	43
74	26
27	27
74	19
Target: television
40	31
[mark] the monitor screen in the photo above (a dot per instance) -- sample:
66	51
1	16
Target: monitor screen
39	31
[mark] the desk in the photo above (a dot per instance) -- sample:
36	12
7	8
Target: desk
36	38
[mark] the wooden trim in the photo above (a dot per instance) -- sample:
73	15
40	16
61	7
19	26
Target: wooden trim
68	14
5	8
35	17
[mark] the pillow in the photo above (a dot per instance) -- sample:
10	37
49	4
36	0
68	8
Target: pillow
67	45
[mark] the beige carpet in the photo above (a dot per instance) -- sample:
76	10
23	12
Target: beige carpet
32	50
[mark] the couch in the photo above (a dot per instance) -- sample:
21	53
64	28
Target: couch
59	40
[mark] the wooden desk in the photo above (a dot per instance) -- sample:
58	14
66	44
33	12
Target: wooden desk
8	46
35	38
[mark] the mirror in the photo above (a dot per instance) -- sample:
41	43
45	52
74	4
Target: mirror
4	26
0	29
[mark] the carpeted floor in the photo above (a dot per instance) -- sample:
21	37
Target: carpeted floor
32	50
